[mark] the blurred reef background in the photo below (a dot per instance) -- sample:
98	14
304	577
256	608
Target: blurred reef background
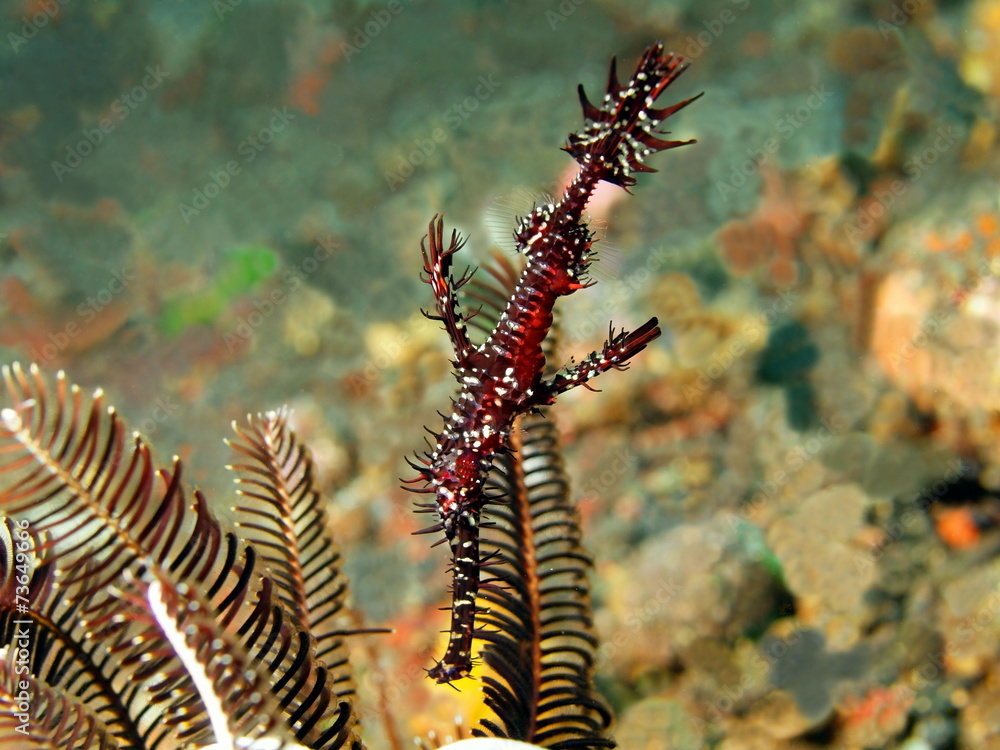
211	207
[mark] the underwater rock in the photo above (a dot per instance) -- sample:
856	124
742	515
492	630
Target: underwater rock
874	719
656	723
780	717
936	320
787	359
968	620
706	581
804	668
820	562
979	723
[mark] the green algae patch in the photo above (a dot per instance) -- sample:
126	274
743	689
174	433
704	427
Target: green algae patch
239	270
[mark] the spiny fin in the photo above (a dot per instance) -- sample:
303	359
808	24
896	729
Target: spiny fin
618	135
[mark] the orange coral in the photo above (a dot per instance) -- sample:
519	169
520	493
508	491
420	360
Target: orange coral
770	236
306	88
957	528
982	231
873	719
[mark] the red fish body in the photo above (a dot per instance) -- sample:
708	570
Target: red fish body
503	378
